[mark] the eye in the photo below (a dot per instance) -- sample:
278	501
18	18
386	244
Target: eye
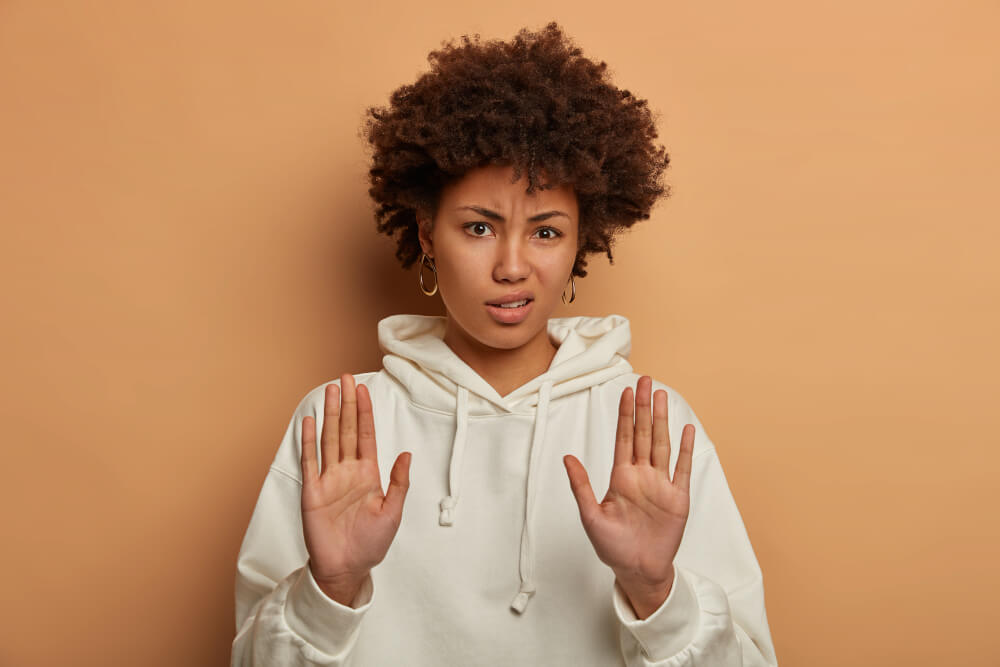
475	224
553	233
556	233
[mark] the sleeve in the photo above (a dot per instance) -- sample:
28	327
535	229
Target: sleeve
714	614
282	616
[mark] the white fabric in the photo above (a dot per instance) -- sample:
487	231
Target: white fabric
491	565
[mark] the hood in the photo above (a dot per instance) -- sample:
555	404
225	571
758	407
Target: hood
591	351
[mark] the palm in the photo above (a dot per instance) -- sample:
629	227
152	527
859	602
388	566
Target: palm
344	526
347	522
637	528
640	522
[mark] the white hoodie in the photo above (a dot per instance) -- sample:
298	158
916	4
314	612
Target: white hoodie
491	564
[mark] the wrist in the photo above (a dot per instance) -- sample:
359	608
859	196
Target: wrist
646	596
342	589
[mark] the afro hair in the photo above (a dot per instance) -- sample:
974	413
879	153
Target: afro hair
534	103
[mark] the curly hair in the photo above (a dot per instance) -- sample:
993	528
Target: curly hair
534	103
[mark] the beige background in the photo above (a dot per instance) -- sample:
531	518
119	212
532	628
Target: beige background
187	248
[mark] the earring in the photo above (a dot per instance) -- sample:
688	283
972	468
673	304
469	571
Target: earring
424	260
573	294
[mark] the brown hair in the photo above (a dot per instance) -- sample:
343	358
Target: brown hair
534	103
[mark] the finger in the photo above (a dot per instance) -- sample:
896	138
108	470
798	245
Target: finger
366	430
661	434
308	459
348	418
331	419
623	436
643	421
682	473
366	424
579	482
399	484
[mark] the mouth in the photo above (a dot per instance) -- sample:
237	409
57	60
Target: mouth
511	312
512	297
510	304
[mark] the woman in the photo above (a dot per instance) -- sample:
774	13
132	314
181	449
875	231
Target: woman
502	169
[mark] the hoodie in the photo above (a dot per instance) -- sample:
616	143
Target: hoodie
491	564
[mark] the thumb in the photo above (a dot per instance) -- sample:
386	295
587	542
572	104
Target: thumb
579	482
399	484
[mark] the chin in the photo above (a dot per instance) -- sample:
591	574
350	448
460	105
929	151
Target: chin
481	327
514	335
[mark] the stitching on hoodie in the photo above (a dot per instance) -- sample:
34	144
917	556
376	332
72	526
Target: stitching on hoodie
451	413
694	457
287	474
745	584
707	448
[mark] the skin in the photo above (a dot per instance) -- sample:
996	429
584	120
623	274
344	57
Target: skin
479	258
636	529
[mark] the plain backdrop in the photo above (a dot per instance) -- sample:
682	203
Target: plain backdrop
188	247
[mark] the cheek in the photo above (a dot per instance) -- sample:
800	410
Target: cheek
556	267
462	276
458	268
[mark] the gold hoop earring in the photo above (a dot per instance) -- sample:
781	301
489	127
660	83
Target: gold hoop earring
572	281
424	260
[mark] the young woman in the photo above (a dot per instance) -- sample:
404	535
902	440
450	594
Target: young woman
502	169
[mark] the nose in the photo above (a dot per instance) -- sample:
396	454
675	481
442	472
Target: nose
512	263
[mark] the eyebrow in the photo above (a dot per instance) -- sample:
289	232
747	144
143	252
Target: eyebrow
493	215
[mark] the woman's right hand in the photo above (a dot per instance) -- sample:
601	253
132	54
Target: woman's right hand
347	521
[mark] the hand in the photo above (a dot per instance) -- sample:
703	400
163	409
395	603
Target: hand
347	522
637	528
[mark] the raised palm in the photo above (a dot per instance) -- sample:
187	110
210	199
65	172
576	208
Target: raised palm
637	528
347	522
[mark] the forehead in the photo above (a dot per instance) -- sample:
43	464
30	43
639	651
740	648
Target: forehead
491	186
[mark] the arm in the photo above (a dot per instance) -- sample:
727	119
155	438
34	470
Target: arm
714	613
282	616
285	613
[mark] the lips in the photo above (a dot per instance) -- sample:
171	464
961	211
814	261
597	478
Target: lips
513	296
509	315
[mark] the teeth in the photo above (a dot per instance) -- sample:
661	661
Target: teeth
514	304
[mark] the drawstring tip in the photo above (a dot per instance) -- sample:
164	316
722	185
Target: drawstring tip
521	601
446	518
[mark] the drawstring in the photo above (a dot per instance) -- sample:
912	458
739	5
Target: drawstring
448	503
527	563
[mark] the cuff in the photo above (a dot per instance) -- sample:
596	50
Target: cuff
670	628
322	621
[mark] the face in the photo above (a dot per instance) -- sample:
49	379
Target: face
491	239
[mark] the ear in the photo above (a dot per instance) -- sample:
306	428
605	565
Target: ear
424	234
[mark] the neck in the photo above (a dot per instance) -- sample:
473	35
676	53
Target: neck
503	369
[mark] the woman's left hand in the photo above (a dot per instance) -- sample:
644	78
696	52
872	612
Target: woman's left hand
636	530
